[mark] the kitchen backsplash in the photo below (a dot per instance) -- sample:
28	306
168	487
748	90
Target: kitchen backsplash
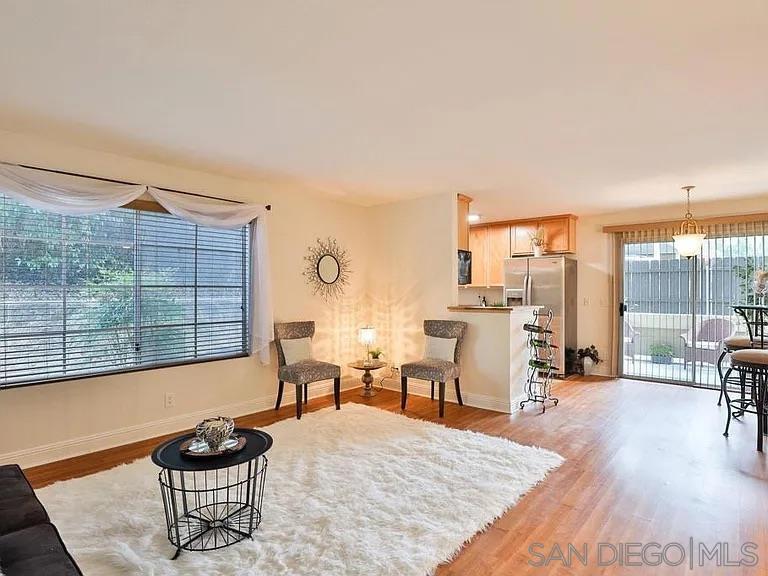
471	296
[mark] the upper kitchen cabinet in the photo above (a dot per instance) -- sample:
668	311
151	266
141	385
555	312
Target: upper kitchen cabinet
478	245
462	205
559	233
521	237
490	244
499	248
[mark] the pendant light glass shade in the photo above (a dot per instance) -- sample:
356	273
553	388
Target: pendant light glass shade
689	239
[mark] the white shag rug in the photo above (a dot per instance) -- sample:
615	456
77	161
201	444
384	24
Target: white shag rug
360	491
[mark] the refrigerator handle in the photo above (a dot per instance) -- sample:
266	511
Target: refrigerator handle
527	296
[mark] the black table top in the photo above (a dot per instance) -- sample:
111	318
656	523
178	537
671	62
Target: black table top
169	456
762	307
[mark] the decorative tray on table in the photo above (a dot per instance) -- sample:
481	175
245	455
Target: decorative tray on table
197	448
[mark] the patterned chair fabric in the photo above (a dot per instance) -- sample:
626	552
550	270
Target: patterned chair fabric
305	372
308	371
433	369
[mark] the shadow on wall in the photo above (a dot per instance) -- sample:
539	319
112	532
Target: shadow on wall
336	331
399	325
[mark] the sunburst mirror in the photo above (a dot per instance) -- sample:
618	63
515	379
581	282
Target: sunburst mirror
326	268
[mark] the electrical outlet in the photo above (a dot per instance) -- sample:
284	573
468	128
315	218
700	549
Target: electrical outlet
170	400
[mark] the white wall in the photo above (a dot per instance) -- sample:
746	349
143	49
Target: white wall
413	270
48	422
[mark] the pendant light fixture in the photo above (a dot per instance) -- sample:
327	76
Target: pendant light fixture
689	239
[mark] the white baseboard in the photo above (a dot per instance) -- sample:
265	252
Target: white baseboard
421	388
112	438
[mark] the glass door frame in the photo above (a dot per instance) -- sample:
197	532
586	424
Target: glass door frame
621	308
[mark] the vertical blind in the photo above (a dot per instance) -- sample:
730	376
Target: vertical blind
679	311
118	291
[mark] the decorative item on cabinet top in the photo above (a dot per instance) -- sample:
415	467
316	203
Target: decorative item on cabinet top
327	268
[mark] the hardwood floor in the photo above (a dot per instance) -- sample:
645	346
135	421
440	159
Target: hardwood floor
645	463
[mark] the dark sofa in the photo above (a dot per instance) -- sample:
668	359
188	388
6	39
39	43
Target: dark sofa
29	544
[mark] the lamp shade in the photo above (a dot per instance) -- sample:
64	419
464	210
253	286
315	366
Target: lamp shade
367	335
688	245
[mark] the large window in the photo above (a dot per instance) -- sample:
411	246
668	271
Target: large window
120	291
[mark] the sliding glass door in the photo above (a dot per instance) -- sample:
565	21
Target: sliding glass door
676	312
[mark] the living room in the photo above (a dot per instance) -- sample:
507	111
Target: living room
242	218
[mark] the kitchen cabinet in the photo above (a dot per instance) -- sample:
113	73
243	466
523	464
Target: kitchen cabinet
499	248
522	237
462	205
478	245
559	234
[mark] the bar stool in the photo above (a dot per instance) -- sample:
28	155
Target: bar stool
732	344
755	363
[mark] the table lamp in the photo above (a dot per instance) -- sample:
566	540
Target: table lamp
367	336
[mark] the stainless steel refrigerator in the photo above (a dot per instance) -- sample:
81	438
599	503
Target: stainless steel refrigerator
548	281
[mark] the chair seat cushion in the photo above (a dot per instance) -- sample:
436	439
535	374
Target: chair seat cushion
750	356
738	341
19	507
36	551
431	369
308	371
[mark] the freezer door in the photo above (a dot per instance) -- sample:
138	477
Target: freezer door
515	281
515	271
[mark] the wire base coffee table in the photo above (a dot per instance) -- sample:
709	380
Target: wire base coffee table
212	502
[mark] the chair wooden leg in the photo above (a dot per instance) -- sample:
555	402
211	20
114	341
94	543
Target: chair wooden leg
458	392
337	392
306	393
441	409
403	391
299	388
432	390
280	386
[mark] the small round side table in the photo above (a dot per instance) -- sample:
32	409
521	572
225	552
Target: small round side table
367	391
212	502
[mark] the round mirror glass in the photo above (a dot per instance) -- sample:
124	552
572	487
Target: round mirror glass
328	269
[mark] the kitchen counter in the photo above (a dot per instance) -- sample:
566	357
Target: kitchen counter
480	308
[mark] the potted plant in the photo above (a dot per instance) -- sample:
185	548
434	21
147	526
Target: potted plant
377	353
661	353
537	241
588	358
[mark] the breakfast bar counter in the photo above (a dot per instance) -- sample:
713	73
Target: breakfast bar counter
494	355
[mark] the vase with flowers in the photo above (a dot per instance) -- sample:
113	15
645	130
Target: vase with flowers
537	241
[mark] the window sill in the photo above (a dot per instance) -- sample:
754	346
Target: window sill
143	368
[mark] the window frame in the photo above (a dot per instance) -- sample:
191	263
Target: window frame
149	206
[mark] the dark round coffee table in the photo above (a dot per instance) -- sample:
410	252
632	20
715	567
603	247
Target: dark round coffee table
212	502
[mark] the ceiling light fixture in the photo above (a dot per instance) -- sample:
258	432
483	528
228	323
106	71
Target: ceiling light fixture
690	238
473	217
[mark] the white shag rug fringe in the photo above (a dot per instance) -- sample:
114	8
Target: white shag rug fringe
360	491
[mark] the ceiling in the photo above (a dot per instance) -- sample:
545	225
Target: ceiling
530	107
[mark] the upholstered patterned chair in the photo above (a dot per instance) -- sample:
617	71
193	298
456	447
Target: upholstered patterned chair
303	372
439	370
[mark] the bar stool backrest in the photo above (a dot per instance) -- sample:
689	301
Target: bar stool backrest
756	320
